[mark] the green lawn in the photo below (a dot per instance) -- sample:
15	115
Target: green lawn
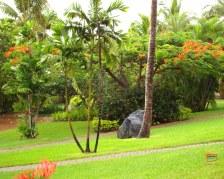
188	163
203	127
184	163
189	132
59	131
49	132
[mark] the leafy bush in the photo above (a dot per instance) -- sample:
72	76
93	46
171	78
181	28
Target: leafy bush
125	101
165	104
75	115
184	113
106	125
59	116
52	108
25	129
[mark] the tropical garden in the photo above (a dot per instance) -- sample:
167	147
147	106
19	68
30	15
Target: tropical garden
67	84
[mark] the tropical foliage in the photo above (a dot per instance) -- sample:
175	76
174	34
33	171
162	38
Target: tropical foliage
83	67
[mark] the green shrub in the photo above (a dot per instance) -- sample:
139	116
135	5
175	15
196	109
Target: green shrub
184	113
59	116
75	115
165	104
52	108
125	101
24	128
106	125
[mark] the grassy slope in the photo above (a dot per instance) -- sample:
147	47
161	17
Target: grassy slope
59	131
49	132
185	163
189	132
188	163
204	127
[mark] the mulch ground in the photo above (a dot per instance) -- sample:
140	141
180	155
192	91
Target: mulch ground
8	121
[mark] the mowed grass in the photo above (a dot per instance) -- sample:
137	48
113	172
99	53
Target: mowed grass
190	163
203	127
196	131
185	163
59	131
48	132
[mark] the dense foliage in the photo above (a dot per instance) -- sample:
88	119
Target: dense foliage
83	67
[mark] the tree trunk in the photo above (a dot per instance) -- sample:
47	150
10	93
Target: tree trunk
101	74
30	117
139	80
89	104
221	88
147	118
66	110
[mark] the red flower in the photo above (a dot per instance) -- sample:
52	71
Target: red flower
43	171
26	175
7	54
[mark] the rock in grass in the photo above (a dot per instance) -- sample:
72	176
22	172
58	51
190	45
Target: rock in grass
131	125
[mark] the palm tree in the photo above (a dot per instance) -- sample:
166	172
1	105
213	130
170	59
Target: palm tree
26	10
209	29
175	20
67	48
147	118
216	10
96	27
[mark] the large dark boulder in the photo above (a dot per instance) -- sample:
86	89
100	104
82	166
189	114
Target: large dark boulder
131	125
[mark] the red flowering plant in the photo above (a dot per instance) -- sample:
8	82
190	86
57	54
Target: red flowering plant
199	49
15	53
198	68
192	69
43	171
31	80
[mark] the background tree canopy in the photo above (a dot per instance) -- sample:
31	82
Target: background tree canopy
55	61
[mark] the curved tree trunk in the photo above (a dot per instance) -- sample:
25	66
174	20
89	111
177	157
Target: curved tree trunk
147	118
66	110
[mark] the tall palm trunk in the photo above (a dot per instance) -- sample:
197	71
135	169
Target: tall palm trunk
147	118
89	105
101	74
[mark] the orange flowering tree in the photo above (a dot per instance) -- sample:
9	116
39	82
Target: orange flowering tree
31	82
195	71
7	37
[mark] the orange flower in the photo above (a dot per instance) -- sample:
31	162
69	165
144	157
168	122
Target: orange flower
45	169
181	56
15	61
7	54
199	49
23	49
11	49
217	53
26	175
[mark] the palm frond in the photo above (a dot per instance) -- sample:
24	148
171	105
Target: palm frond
95	7
117	5
76	11
8	10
